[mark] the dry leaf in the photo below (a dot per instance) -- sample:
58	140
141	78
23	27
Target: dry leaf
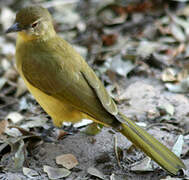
167	108
95	172
120	66
11	74
15	117
182	87
37	121
14	132
109	39
3	125
169	75
177	148
21	87
119	177
2	82
30	173
67	160
56	173
19	156
177	32
143	165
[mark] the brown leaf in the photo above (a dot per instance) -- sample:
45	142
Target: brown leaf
67	160
109	39
3	125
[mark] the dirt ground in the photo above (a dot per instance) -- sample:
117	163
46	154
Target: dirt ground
142	58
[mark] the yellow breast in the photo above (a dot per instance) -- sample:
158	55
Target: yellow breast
60	111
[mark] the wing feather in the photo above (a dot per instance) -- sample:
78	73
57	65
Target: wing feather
57	75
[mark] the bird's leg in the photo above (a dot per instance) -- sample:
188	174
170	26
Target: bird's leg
70	129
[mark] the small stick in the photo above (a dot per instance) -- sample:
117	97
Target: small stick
116	151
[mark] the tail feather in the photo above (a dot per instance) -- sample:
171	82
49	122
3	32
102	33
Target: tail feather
152	147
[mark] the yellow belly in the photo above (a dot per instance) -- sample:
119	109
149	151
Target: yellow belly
60	111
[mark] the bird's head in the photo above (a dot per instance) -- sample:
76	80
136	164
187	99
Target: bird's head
33	22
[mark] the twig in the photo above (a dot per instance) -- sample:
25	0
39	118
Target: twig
116	151
9	104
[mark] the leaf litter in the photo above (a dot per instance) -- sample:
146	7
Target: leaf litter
69	161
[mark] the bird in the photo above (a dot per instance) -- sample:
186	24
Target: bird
68	89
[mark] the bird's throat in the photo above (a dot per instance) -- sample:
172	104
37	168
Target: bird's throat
26	37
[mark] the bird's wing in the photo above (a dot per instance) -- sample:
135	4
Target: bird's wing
99	89
61	77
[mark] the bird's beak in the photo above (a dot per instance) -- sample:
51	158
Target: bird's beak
14	28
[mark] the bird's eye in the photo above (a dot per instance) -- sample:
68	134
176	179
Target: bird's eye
34	25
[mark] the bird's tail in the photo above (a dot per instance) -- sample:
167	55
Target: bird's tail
152	147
